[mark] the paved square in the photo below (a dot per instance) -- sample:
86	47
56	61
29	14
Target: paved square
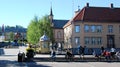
10	60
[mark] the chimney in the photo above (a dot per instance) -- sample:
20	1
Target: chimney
111	5
87	4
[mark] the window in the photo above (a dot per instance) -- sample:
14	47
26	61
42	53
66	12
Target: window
93	41
77	40
86	28
110	28
99	40
96	28
93	28
99	29
87	40
45	45
77	28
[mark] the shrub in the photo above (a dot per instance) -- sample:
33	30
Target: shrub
30	53
30	50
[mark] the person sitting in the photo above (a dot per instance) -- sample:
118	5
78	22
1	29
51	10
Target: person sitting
97	55
104	52
113	52
69	55
107	55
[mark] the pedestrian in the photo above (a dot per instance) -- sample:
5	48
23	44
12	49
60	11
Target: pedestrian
69	55
96	54
102	49
113	52
82	51
53	54
107	55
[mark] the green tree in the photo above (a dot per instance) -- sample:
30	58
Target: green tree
31	32
45	25
37	27
11	36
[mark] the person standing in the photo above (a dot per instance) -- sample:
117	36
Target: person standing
102	49
80	51
83	50
53	54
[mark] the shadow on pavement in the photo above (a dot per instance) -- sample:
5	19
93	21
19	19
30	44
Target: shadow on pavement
7	63
61	59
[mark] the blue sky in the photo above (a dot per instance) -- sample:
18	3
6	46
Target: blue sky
21	12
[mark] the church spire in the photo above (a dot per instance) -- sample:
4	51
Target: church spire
51	13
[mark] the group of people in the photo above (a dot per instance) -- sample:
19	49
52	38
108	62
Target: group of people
68	55
112	54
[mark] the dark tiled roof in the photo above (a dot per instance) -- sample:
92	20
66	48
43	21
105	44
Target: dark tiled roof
98	14
59	23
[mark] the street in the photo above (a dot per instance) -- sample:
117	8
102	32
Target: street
59	64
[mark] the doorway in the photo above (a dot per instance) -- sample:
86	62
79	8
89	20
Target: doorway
110	41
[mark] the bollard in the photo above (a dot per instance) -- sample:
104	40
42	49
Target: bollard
19	57
23	56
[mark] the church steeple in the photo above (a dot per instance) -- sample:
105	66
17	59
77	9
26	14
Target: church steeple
51	14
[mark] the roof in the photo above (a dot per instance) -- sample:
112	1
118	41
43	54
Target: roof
99	14
44	38
59	23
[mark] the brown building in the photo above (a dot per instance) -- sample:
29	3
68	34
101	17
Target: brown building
93	27
58	31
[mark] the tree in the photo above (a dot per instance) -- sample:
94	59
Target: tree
31	32
37	27
11	36
45	25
